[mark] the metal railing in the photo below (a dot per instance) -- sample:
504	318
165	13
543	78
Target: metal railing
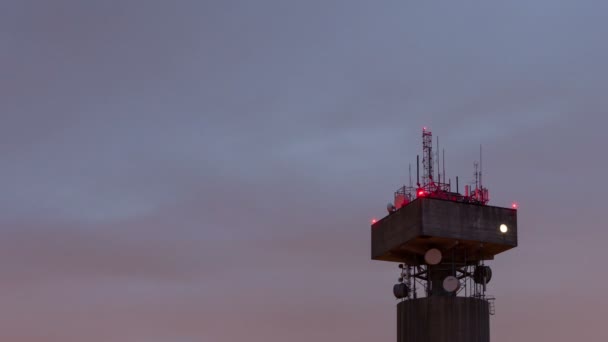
491	304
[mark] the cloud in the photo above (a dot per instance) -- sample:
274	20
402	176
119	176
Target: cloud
187	171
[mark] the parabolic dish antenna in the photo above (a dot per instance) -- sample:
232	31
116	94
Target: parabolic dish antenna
451	284
401	290
433	256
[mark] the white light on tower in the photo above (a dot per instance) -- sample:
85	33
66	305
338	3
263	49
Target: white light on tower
504	228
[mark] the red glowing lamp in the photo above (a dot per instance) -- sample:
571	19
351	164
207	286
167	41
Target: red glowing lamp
374	221
515	205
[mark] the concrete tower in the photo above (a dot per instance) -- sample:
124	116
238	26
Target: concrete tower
441	240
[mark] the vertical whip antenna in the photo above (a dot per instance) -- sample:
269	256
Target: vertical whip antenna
410	169
443	164
438	166
480	167
418	170
476	174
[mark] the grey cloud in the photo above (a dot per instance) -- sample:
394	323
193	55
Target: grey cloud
171	168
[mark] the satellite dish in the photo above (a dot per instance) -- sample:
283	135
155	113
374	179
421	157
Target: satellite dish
401	290
451	284
482	272
433	256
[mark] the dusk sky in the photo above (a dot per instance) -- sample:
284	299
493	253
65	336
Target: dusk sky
180	171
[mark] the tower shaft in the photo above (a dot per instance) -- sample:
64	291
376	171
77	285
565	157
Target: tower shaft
443	319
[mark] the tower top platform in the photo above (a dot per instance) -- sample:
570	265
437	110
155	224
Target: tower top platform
463	232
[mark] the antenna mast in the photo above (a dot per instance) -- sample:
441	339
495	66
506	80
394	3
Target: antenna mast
476	174
443	164
438	166
410	168
480	168
427	157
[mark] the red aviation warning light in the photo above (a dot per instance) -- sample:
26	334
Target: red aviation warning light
515	205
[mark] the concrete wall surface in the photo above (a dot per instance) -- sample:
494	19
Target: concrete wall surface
462	231
443	319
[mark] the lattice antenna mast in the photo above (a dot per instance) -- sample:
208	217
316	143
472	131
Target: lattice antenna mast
427	157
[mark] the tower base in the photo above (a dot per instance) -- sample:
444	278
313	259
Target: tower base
443	319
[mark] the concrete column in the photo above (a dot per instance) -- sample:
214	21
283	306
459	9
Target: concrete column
436	276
